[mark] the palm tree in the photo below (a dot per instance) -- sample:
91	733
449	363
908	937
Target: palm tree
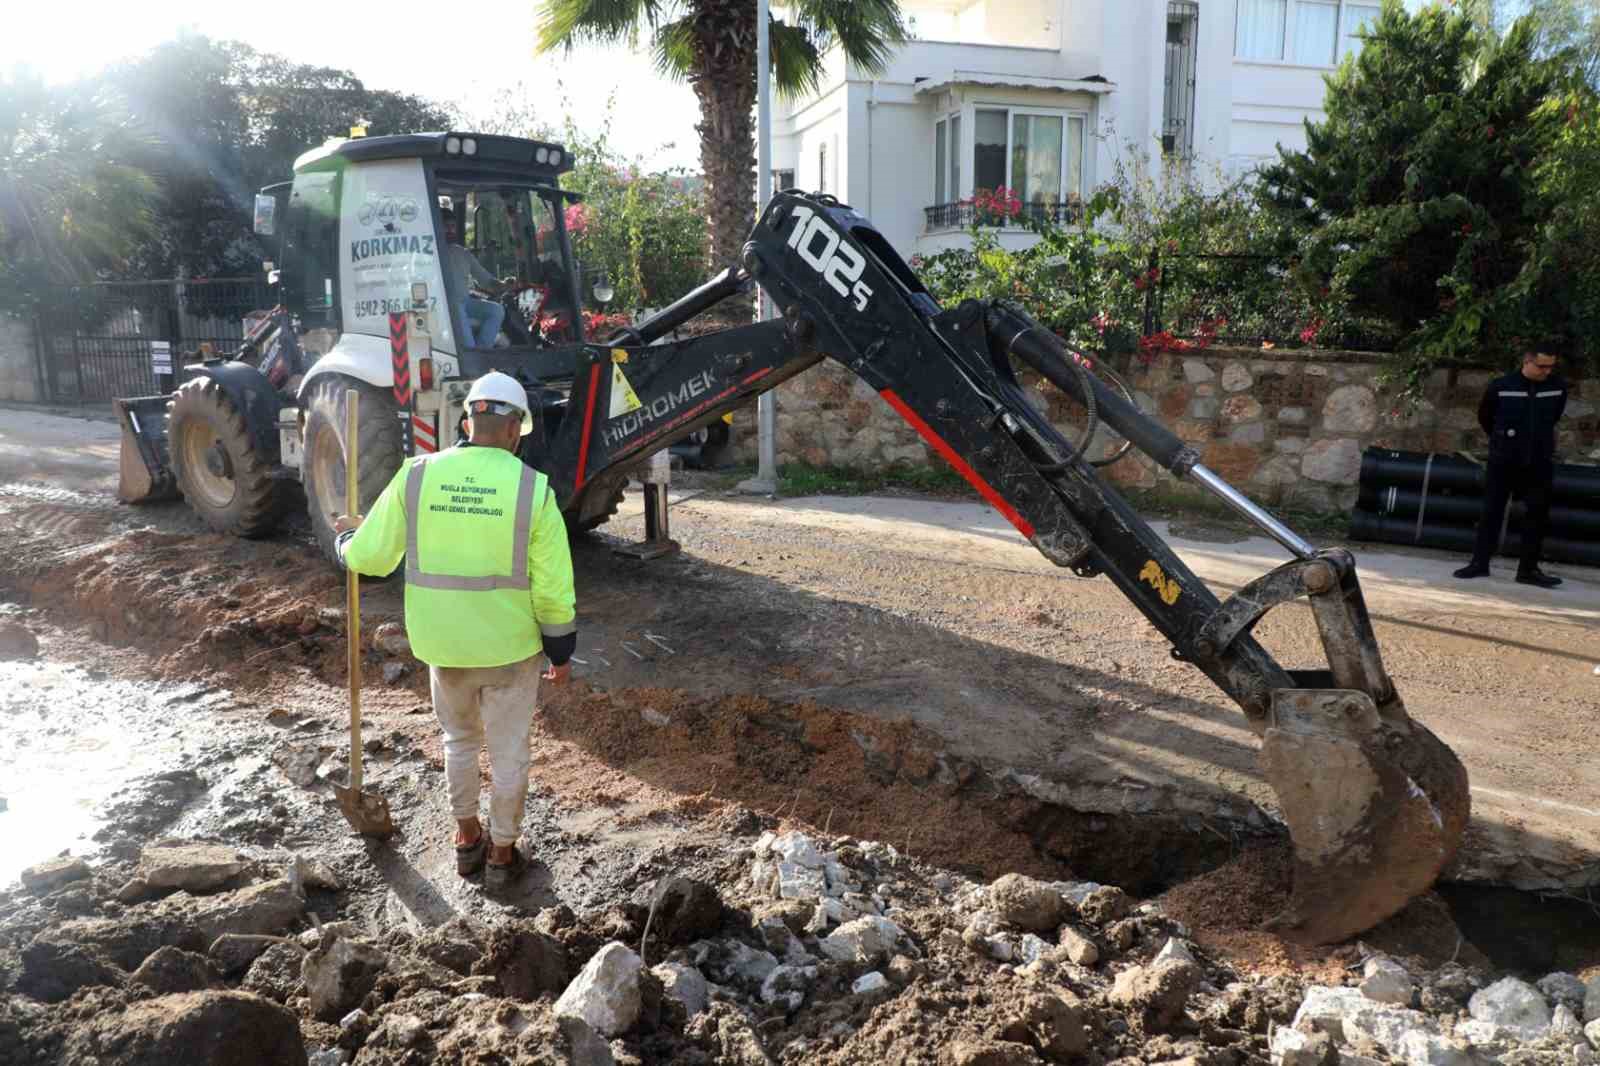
712	44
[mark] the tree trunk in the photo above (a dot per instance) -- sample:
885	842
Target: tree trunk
725	83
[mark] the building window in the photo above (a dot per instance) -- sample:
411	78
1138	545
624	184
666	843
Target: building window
822	167
1177	104
782	179
1036	153
947	159
1310	32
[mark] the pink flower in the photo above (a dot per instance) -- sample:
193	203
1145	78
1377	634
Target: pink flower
577	219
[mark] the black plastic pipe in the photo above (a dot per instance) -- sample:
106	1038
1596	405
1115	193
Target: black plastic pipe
1364	525
1574	483
1573	523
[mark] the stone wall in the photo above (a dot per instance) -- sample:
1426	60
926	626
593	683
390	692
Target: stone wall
1289	427
19	377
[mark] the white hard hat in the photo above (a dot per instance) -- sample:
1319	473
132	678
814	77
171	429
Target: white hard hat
497	388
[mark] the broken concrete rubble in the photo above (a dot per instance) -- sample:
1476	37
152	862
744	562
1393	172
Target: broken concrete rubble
1513	1004
195	868
53	873
339	975
605	994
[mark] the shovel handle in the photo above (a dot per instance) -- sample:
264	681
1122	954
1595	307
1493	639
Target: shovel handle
352	405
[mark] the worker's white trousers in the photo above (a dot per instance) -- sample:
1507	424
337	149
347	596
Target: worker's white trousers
493	703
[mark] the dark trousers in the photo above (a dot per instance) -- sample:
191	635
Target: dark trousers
1501	481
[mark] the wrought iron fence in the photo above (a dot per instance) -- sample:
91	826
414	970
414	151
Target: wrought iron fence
100	341
963	214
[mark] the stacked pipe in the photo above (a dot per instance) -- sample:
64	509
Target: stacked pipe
1435	501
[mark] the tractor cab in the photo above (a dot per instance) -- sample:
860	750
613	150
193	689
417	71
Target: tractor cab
432	223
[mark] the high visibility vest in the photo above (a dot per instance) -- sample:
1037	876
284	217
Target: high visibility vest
469	517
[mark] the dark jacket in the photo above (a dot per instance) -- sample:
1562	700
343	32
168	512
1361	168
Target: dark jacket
1520	417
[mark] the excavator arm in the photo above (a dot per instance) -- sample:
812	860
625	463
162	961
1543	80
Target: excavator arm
1375	804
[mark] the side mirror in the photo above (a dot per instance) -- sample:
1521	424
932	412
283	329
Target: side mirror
266	214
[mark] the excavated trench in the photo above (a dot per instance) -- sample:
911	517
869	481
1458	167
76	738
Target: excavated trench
246	661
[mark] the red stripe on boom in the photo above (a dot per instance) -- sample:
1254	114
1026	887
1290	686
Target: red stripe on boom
400	353
588	424
962	467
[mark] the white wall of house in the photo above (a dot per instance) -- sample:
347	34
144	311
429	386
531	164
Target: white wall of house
1100	65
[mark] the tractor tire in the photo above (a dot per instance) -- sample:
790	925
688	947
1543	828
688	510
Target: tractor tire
219	471
323	470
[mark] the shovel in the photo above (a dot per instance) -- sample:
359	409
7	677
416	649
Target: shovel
367	812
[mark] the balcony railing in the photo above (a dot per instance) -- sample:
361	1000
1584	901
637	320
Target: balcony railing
961	215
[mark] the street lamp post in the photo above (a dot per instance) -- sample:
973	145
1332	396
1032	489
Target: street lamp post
766	480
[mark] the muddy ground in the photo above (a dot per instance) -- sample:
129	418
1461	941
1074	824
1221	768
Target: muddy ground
860	671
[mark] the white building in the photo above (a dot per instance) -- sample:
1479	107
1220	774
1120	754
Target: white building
1041	95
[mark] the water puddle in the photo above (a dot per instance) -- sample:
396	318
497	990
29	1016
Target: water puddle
68	743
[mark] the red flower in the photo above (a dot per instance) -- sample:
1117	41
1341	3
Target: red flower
1466	227
1489	131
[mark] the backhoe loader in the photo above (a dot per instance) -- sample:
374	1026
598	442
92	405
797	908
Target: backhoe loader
1375	805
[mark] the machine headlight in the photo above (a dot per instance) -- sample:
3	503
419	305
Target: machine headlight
469	146
541	155
452	145
555	157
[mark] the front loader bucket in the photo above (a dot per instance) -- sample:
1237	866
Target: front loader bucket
145	472
1376	806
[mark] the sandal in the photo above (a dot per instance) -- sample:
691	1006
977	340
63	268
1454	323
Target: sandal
470	857
499	876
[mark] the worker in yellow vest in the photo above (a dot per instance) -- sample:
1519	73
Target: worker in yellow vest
488	586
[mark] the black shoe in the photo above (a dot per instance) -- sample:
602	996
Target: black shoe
1539	578
1473	570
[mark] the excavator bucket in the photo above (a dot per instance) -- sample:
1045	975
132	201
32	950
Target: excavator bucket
1376	806
145	470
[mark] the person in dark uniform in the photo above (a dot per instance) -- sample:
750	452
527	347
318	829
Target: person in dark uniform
1519	412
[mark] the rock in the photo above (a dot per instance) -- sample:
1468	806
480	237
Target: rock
724	1031
1592	1031
328	1056
1174	949
1105	904
1591	1000
866	939
299	762
1079	949
655	717
683	985
1351	1018
1350	409
605	994
999	948
786	986
799	849
340	975
1563	988
53	873
527	963
391	637
1027	904
1455	982
1292	1047
1418	1048
213	1028
326	931
1195	371
270	907
1236	378
1158	992
194	868
454	953
1386	981
1032	948
401	1030
53	969
1564	1024
685	911
800	882
393	671
17	642
1583	1054
276	972
1292	416
868	983
132	891
829	912
1049	1023
585	1046
1333	462
307	873
172	970
232	953
743	964
1241	409
1513	1004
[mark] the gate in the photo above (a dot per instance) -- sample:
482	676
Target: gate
102	341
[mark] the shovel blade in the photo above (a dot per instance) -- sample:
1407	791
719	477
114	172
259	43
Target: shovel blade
367	812
1376	807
